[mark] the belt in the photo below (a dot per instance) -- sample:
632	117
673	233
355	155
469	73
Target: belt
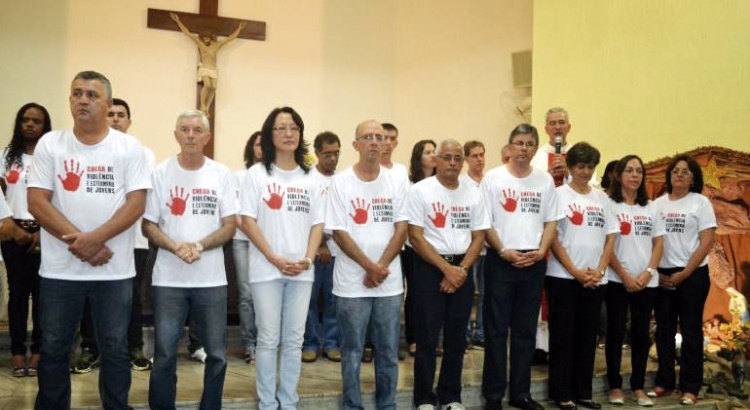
453	258
27	223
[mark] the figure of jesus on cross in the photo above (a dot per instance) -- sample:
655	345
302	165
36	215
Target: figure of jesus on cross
208	73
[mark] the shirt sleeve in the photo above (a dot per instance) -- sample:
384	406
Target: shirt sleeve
43	168
706	215
229	194
336	206
250	193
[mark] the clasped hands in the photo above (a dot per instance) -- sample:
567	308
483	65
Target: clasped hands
590	278
289	268
88	247
187	252
671	282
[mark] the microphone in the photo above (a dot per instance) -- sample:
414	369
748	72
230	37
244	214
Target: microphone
558	144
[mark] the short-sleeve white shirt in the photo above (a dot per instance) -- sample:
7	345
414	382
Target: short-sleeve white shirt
367	211
188	205
89	185
684	219
16	178
324	188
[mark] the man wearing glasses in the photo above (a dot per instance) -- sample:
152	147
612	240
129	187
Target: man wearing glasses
364	214
523	209
447	220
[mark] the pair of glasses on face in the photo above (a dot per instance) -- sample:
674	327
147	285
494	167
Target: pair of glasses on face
329	155
372	137
681	173
284	130
448	158
521	144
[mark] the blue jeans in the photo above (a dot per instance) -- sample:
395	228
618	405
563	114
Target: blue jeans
382	314
208	312
512	300
477	271
61	311
281	309
322	286
248	331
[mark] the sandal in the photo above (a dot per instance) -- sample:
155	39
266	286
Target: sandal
18	365
688	399
659	392
18	371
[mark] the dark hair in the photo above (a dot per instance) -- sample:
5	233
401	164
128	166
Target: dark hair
606	181
325	137
15	146
469	145
249	155
266	139
582	153
415	163
93	75
695	169
524	129
118	101
389	127
615	190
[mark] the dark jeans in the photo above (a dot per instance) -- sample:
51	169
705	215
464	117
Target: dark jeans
322	334
684	304
135	327
407	267
435	310
512	298
61	311
23	281
641	307
573	322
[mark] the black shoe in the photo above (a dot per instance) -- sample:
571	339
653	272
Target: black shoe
526	404
493	405
540	358
368	355
566	406
589	404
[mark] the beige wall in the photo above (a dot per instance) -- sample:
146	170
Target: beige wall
435	68
646	77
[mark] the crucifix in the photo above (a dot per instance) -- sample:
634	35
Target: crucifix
207	25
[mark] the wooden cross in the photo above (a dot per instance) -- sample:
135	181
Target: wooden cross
207	20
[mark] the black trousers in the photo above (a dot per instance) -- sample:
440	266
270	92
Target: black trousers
684	305
573	323
23	281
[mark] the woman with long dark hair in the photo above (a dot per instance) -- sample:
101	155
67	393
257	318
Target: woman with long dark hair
283	217
422	161
22	257
690	225
632	276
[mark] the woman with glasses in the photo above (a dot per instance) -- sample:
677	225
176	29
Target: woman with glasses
575	281
632	276
283	217
683	277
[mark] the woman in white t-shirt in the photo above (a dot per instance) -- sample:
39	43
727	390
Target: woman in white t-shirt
632	276
283	218
690	225
574	284
21	251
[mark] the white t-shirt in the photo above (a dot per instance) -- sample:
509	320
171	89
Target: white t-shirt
583	231
684	219
240	177
188	205
16	179
286	206
89	185
367	211
469	181
448	216
546	154
324	187
639	225
519	207
140	241
400	174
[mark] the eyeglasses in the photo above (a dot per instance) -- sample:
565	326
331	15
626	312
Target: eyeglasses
681	173
329	155
284	130
521	144
370	137
455	158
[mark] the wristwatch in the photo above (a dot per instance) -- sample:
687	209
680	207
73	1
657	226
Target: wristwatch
309	262
652	271
198	247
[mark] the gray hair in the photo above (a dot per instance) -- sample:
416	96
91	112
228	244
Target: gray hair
447	143
93	75
193	114
556	110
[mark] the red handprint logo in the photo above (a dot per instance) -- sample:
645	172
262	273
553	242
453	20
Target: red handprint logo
576	218
626	224
73	175
179	203
276	198
440	215
14	173
511	200
360	212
